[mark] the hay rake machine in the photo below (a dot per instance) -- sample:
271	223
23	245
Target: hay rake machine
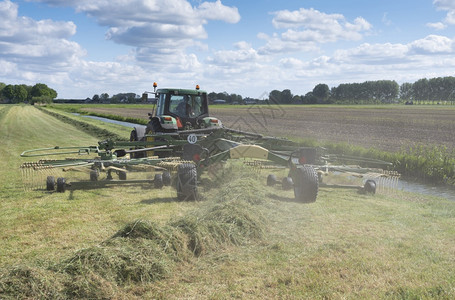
182	140
179	158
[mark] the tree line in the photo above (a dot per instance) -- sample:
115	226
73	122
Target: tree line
439	90
21	93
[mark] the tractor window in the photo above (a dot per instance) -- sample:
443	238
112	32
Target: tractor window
197	106
160	105
187	106
178	105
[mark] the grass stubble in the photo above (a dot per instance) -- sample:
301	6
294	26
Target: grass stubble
242	240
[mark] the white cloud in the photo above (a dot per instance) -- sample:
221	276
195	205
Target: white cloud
428	57
437	25
218	11
39	46
433	44
386	20
234	58
307	28
446	5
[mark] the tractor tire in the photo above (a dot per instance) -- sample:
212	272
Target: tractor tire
158	181
287	183
50	183
154	126
134	137
187	182
306	184
122	175
271	180
94	174
61	185
370	187
166	178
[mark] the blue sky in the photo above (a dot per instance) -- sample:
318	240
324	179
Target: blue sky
86	47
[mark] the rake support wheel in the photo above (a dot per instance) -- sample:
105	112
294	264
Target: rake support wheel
187	182
306	184
158	181
166	178
50	183
61	185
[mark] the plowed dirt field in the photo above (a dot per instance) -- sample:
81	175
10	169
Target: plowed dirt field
387	128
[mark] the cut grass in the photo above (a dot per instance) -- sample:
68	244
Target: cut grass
41	225
141	252
243	240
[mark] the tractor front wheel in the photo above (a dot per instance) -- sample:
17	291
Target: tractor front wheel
187	182
306	184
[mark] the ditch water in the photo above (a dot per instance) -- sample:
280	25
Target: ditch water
409	186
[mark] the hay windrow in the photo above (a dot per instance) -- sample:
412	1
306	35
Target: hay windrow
144	251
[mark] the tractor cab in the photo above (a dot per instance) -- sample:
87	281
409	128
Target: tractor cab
176	110
187	107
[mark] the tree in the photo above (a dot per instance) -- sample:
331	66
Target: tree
42	93
309	98
406	91
8	92
104	96
275	97
212	97
96	98
321	92
286	96
420	88
20	93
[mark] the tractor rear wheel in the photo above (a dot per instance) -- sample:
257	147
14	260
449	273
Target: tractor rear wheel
187	182
306	184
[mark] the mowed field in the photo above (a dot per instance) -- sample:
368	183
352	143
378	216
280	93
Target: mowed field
389	128
242	239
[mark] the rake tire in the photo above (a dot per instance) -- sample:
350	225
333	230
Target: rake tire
370	187
166	178
187	182
158	181
306	184
122	175
94	174
61	185
50	183
287	183
271	180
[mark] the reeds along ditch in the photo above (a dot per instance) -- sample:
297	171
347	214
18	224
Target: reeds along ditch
144	251
427	163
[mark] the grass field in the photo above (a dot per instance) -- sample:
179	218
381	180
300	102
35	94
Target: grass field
346	245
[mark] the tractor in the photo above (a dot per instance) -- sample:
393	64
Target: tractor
176	110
